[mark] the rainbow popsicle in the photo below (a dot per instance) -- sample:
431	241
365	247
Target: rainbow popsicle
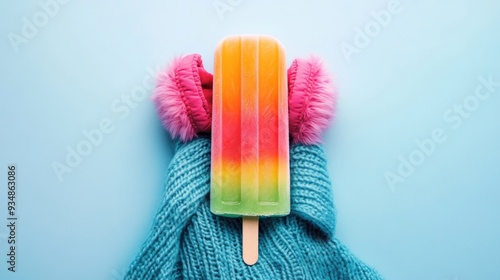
250	155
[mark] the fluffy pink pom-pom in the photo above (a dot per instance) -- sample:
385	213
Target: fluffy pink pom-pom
183	98
311	99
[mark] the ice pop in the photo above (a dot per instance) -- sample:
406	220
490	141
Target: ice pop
250	155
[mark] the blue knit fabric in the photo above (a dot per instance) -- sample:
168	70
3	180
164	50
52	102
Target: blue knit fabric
188	242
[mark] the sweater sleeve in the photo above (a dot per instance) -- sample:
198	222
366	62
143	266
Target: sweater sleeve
186	185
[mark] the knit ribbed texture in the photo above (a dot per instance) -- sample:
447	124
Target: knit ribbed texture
187	241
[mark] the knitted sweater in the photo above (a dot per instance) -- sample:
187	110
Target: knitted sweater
188	242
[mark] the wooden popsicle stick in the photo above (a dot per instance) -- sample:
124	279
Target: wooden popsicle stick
250	240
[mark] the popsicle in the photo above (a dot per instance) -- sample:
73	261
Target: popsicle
250	143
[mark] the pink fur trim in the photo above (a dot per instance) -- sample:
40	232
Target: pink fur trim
311	100
180	100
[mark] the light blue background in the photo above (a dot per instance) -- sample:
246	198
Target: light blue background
441	223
